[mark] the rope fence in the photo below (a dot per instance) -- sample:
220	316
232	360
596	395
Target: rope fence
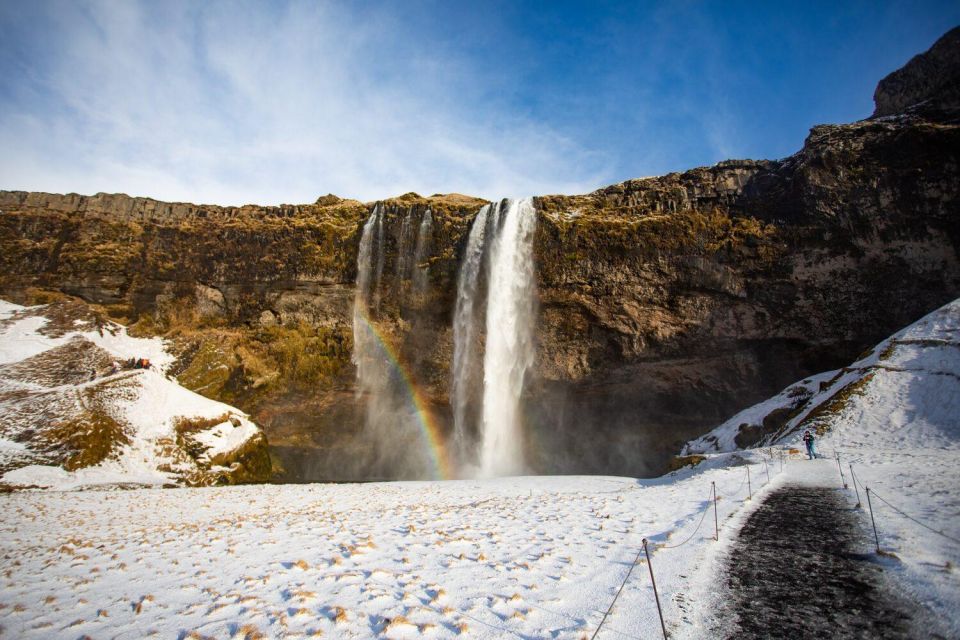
911	518
872	493
703	516
644	549
781	454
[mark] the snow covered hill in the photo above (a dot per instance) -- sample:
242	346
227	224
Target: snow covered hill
906	390
75	413
894	417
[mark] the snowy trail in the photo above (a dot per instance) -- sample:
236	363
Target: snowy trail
514	557
804	567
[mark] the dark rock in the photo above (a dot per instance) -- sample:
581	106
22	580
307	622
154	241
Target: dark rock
931	80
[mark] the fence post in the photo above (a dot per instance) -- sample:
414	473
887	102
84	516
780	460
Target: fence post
874	522
842	477
749	486
767	467
781	460
716	520
656	596
853	478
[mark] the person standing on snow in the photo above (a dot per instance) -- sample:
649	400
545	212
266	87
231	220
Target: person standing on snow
808	440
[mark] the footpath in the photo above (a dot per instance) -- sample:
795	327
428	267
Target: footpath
803	567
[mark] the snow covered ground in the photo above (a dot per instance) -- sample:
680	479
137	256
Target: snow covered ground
529	557
514	557
895	416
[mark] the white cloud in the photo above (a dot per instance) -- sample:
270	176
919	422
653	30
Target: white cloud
235	103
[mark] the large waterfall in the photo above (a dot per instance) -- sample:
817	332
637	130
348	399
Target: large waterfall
511	292
492	335
465	339
508	228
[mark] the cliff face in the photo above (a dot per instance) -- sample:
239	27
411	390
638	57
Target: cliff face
930	82
671	301
665	304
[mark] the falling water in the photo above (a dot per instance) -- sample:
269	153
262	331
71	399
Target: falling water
420	272
363	346
392	440
499	255
509	345
403	247
465	347
378	209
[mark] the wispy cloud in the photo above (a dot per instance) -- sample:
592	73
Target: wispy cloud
233	103
243	101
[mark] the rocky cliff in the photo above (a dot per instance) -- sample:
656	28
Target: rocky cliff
665	304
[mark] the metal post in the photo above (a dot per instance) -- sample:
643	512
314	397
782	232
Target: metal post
874	522
853	478
842	477
716	521
781	460
749	486
663	627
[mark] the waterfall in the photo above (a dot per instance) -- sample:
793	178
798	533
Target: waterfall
421	273
496	287
403	248
378	209
465	348
503	234
509	347
363	348
391	440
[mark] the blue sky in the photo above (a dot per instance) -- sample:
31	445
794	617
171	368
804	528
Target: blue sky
237	102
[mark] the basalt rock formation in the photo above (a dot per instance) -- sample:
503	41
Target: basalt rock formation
930	82
665	304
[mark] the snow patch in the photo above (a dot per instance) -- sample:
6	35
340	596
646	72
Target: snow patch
145	403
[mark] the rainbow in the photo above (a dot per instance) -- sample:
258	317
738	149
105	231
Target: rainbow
429	429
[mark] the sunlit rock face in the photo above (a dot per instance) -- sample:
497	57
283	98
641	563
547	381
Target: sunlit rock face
663	305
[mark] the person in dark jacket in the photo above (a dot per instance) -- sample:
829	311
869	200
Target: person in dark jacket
808	440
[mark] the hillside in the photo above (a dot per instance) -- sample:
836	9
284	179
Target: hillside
906	387
75	413
664	305
894	415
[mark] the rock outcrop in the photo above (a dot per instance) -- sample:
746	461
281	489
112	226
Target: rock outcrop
666	304
929	82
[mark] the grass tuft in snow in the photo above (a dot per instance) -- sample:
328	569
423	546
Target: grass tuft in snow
679	462
820	418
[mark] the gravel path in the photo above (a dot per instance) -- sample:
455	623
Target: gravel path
802	568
